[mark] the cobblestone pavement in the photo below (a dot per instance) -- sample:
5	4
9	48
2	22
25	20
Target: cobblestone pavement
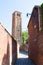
23	59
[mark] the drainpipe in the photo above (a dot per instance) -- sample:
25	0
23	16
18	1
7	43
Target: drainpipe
39	18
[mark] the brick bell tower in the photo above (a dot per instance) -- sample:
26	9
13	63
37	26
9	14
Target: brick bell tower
17	27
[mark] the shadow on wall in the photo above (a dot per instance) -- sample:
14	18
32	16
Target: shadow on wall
14	51
5	60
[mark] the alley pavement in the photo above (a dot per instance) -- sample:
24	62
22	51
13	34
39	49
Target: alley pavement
23	59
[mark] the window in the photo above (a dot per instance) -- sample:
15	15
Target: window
18	14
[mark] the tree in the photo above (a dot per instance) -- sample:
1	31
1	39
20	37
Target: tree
24	37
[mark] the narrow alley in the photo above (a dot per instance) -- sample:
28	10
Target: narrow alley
23	59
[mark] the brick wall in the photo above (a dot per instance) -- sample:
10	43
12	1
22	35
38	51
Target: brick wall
36	50
40	48
16	26
35	38
7	44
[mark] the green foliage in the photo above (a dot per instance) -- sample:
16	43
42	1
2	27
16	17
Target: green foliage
42	13
42	5
24	37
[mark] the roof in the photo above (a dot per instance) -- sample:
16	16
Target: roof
35	7
8	32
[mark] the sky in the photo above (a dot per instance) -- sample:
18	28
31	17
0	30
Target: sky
7	7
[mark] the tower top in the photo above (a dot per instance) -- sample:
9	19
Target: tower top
17	12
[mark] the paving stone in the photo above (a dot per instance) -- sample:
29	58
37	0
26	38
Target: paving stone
24	61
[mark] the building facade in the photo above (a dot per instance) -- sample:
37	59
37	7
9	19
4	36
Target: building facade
17	29
17	26
35	32
8	47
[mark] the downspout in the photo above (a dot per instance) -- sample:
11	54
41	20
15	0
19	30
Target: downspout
39	18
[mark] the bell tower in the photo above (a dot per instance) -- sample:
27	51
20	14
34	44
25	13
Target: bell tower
17	27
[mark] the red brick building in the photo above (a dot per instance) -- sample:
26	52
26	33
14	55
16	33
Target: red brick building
17	29
8	48
36	36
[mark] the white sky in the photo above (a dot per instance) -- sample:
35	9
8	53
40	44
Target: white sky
7	7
